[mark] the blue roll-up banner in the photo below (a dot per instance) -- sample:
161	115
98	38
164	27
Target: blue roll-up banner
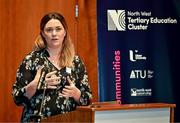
138	50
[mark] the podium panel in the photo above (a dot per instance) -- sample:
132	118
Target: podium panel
158	115
112	112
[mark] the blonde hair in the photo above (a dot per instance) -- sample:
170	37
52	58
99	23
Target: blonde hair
67	53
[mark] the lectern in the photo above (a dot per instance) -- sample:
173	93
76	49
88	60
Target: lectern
111	112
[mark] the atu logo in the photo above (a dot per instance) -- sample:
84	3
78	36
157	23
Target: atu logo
116	20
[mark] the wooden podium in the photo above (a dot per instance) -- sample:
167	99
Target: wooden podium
112	112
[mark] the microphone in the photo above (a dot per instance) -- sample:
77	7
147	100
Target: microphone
63	79
67	74
41	83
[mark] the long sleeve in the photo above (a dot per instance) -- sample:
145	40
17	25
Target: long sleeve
23	77
82	82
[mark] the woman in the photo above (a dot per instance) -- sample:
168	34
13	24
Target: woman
52	69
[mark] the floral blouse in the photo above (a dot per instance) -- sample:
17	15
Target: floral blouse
53	103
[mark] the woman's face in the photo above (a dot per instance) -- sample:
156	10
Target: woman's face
54	33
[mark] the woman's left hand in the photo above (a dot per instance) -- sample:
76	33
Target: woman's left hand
71	91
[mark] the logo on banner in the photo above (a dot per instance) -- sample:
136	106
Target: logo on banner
141	92
134	56
141	74
116	20
121	20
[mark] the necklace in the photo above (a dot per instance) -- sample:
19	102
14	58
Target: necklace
53	61
54	58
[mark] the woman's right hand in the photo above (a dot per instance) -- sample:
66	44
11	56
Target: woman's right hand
32	86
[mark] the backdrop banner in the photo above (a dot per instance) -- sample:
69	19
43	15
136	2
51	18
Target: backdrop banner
138	50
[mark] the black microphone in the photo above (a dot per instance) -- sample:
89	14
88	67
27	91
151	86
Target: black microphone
67	74
63	79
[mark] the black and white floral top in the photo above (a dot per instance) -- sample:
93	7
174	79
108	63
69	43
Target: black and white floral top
53	103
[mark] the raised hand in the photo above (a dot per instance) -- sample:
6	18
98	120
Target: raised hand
71	91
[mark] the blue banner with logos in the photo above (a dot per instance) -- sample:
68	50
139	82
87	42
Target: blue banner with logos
137	51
